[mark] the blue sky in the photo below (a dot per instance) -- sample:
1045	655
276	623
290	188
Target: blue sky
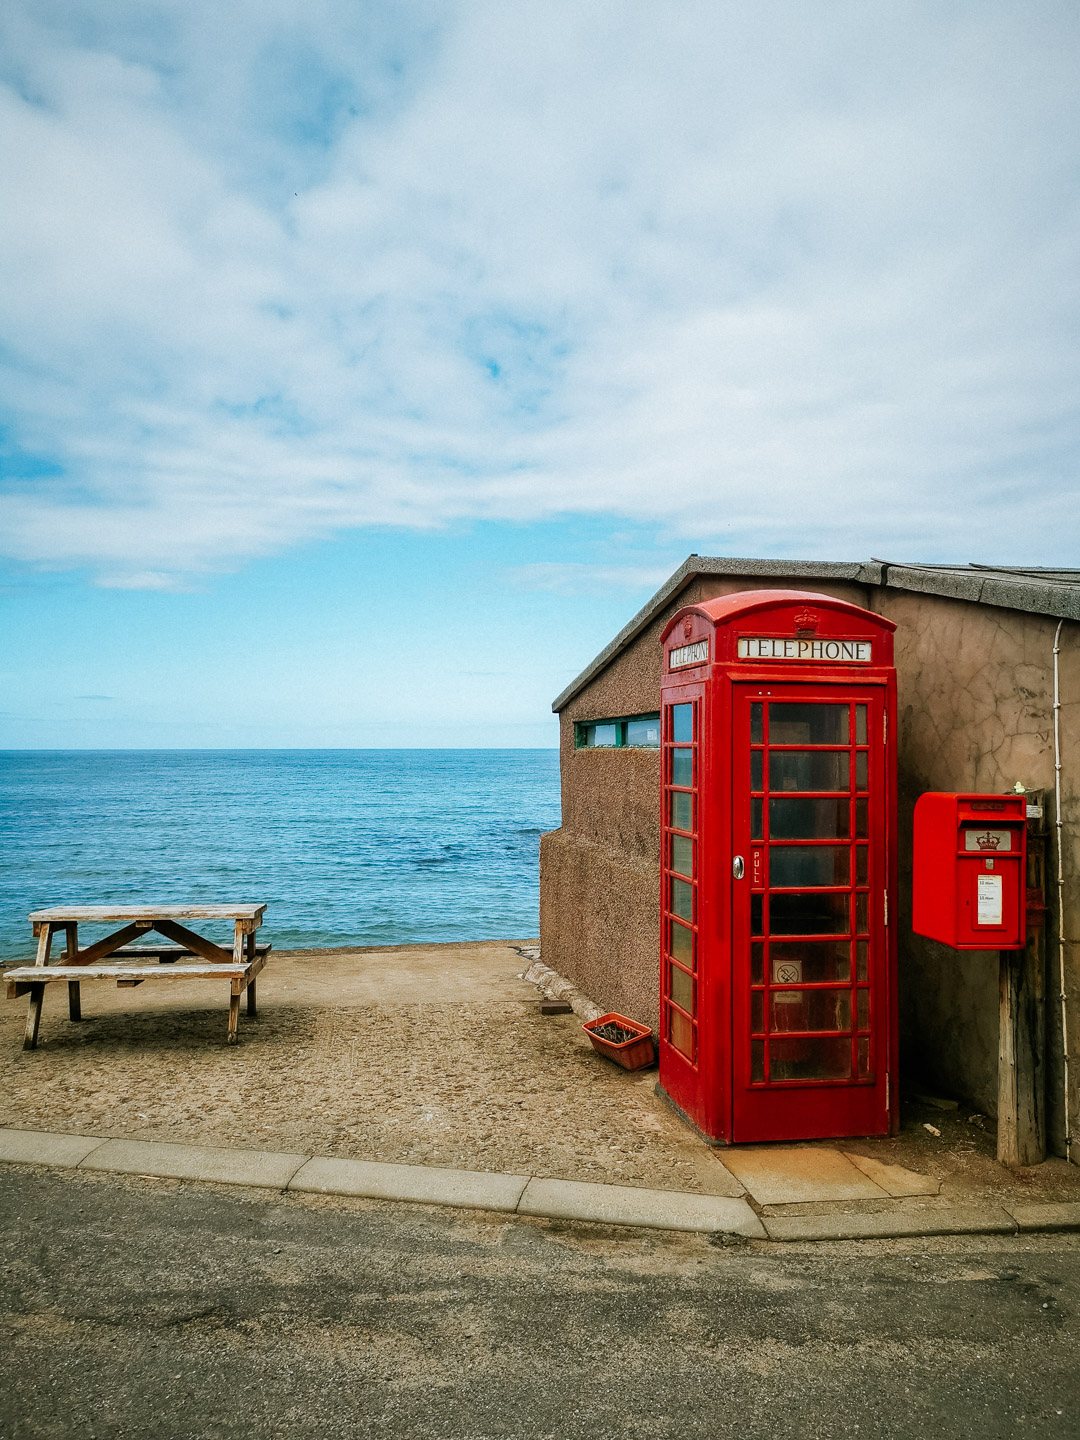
364	367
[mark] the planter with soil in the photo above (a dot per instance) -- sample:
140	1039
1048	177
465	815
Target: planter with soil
624	1041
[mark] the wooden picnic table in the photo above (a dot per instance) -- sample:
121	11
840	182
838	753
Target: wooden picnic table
130	966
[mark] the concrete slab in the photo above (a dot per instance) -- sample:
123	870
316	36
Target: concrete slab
195	1162
418	1184
39	1147
884	1225
782	1175
625	1205
895	1179
1046	1216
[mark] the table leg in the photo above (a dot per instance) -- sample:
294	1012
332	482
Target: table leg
74	1000
37	991
71	949
252	1008
249	954
234	1015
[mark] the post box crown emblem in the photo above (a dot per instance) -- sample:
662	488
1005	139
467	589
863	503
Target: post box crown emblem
989	841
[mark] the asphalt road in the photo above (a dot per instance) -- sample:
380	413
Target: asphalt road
133	1307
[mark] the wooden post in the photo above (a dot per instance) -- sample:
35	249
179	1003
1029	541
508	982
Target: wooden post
37	991
1021	1136
71	933
252	1003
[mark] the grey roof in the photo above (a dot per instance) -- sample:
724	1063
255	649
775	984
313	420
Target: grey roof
1041	590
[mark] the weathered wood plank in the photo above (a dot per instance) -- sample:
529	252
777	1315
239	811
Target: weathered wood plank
168	953
95	914
30	974
108	946
201	946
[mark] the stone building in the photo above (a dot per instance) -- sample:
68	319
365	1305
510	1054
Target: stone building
975	659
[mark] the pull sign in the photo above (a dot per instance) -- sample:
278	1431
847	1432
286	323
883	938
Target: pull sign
988	899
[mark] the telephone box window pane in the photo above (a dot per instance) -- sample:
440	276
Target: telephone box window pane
862	913
809	962
681	988
809	914
682	724
808	769
804	865
808	819
600	737
682	900
862	1009
757	1012
822	1057
810	1010
757	1061
756	731
681	944
860	724
808	724
756	909
756	770
862	959
680	1032
682	768
682	811
757	963
644	734
860	865
682	855
864	1057
861	769
861	819
756	819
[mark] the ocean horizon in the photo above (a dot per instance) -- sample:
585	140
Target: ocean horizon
344	847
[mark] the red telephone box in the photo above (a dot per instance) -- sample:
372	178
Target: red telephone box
969	869
778	833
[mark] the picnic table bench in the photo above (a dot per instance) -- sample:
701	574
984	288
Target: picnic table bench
129	965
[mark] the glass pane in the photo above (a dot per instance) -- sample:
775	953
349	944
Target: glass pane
862	959
809	865
681	988
809	913
682	855
682	900
809	819
680	1032
755	725
682	723
862	908
681	944
809	962
757	1012
756	769
682	811
756	819
861	827
822	1058
863	1048
600	736
860	724
808	724
861	763
644	733
756	908
757	1060
757	963
808	769
682	767
862	1009
810	1010
860	865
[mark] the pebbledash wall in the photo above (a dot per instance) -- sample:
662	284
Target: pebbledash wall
974	659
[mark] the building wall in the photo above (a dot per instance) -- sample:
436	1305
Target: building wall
975	712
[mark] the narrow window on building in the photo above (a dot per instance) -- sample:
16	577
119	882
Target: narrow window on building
631	732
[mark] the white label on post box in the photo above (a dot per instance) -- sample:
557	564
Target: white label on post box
840	652
989	840
988	895
696	654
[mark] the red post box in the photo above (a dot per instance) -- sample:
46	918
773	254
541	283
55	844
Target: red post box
778	834
969	870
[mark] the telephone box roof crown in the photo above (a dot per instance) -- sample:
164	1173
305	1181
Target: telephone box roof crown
746	602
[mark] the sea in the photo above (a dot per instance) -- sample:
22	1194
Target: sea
344	847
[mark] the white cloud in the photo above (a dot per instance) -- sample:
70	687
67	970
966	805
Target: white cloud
792	281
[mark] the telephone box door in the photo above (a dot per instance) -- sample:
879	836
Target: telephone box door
810	973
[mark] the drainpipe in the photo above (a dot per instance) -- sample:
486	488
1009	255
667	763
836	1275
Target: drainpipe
1061	894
